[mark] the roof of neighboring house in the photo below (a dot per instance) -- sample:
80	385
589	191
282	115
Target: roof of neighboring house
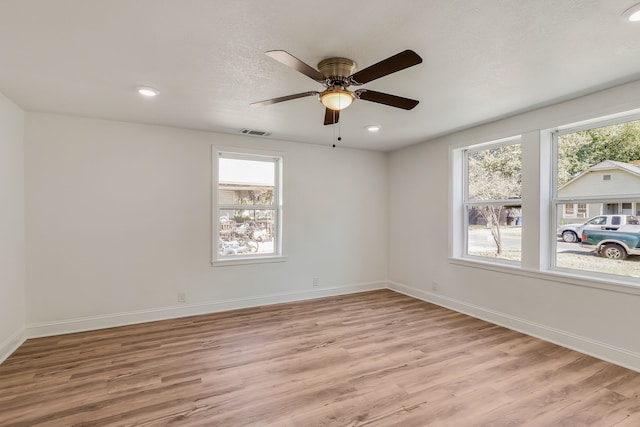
606	165
612	164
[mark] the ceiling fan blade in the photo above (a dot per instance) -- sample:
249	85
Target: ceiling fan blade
283	98
292	62
386	99
331	117
394	63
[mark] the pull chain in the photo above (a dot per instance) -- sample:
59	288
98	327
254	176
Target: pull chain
339	138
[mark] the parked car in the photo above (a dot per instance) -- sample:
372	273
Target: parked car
613	244
571	233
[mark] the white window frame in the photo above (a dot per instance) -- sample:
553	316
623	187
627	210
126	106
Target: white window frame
277	206
539	213
468	204
555	201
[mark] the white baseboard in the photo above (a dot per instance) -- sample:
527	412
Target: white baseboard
600	350
184	310
11	344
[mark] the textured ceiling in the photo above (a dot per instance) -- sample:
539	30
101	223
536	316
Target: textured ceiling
483	59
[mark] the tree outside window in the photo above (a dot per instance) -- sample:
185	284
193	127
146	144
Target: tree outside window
493	202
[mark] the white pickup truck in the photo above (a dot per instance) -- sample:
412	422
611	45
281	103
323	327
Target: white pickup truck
571	233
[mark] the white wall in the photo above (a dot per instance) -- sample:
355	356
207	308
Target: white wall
600	322
12	251
119	221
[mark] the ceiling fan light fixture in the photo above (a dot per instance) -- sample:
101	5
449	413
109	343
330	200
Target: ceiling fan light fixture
632	14
336	99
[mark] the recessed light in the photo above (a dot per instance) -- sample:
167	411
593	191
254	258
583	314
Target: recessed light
632	14
373	128
148	91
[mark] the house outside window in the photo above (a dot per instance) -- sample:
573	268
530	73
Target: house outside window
247	206
597	168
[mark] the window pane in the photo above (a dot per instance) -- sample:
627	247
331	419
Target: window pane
598	162
571	253
247	232
568	210
246	182
582	210
602	164
242	171
494	231
495	173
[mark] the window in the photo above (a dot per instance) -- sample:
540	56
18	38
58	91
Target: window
596	167
493	189
581	210
581	179
569	210
248	206
575	210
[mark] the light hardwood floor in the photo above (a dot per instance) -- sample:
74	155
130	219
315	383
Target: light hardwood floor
369	359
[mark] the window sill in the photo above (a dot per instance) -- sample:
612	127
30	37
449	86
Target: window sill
629	286
247	260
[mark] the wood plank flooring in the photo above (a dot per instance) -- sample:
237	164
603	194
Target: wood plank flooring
368	359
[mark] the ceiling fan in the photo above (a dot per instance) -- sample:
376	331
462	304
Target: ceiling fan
337	74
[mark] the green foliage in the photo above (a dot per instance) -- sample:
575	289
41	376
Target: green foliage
579	151
496	173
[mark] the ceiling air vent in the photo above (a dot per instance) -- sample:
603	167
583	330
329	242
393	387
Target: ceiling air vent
254	132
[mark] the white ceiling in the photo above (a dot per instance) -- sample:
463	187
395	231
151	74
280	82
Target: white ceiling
483	59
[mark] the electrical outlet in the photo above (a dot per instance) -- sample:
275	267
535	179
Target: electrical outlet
315	281
182	297
434	286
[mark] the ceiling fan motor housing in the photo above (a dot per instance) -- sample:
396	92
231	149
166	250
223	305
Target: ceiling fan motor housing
337	70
